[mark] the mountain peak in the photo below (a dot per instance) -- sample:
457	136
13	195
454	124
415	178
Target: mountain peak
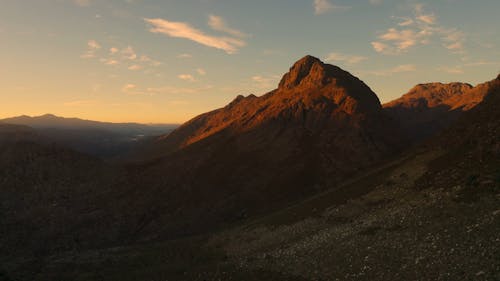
300	70
311	72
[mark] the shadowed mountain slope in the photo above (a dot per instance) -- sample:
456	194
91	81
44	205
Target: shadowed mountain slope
429	108
320	126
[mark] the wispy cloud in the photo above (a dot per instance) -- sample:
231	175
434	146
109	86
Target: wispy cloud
265	82
148	60
134	89
428	19
127	88
186	77
451	70
219	24
129	53
92	47
201	71
183	30
325	6
482	62
109	61
135	67
420	29
125	56
344	58
169	90
184	56
453	40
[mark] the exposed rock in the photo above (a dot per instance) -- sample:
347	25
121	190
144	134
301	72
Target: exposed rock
318	127
429	108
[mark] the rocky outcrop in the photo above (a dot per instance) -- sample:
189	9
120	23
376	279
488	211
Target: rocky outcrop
430	108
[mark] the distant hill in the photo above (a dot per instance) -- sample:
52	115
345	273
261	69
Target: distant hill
101	139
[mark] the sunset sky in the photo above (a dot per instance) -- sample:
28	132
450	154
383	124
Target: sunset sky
167	61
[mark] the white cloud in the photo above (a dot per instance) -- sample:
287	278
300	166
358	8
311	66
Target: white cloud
149	61
92	47
183	30
201	71
219	24
402	39
325	6
184	56
186	77
109	61
406	22
420	29
92	44
376	2
322	6
129	53
135	67
129	88
379	46
428	19
344	58
133	89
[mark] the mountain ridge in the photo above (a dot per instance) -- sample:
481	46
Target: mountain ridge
428	108
308	95
258	153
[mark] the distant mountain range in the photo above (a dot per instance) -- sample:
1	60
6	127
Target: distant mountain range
55	122
315	170
102	139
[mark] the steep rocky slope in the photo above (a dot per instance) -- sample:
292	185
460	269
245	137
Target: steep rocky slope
429	108
431	215
320	126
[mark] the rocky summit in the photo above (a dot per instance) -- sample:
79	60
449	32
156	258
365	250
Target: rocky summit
321	126
429	108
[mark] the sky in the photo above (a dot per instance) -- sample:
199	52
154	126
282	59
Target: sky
167	61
